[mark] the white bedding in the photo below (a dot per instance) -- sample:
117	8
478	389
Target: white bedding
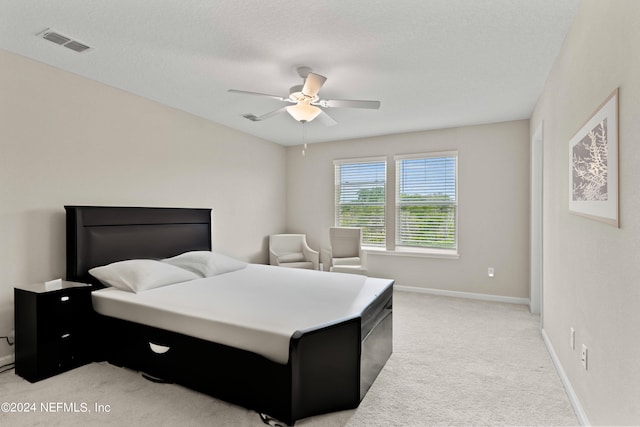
257	308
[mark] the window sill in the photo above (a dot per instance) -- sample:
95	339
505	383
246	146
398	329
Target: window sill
411	252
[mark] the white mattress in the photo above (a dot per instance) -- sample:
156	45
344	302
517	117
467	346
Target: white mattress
257	308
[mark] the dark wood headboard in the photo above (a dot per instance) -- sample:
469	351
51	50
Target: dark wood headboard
100	235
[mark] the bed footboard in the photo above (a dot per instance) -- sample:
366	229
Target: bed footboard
325	365
377	339
334	367
329	369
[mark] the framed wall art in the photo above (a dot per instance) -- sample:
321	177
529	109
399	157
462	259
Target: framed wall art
593	165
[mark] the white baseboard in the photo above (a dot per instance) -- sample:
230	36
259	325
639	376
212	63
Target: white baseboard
469	295
573	398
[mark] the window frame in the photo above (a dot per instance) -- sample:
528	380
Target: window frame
337	184
391	193
397	205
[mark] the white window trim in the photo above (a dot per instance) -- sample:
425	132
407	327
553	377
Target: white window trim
373	159
360	160
448	153
402	251
419	251
390	206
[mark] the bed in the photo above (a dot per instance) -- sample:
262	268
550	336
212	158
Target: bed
323	360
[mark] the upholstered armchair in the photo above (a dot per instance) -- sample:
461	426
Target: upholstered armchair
345	253
291	250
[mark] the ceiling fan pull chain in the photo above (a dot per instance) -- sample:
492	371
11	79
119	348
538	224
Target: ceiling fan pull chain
304	137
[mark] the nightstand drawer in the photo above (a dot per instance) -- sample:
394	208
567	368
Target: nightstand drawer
65	352
51	329
66	312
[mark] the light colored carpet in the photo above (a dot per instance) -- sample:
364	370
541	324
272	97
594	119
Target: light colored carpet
455	362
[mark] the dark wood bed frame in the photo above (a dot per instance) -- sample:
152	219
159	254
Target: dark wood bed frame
330	368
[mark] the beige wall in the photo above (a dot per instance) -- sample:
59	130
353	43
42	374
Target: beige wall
68	140
493	186
592	270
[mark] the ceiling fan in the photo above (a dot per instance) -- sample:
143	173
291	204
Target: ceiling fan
306	102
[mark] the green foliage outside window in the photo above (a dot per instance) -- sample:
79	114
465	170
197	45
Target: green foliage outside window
367	212
425	206
426	221
428	226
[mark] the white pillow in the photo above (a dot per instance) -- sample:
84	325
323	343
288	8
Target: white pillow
206	263
141	274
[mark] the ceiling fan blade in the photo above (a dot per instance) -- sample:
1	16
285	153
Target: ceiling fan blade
244	92
347	103
326	119
312	84
255	118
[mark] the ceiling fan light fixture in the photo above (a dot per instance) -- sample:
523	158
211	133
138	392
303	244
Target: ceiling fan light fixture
303	112
304	100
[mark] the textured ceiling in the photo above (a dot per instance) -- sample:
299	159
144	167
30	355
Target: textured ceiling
432	63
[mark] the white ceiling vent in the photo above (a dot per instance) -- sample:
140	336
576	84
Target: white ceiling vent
65	41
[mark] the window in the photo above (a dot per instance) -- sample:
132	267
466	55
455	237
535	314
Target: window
360	197
426	201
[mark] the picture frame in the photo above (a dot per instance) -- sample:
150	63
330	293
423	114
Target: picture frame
593	165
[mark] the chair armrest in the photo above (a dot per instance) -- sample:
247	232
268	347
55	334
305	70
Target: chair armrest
363	257
311	255
273	258
326	258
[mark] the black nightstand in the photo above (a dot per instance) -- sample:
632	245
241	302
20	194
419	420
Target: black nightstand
52	328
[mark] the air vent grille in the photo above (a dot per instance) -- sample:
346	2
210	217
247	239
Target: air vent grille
56	38
65	41
77	46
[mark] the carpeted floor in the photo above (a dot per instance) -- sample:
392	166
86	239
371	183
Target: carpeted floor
455	362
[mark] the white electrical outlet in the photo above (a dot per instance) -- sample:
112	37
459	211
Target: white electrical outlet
583	356
572	339
12	336
490	272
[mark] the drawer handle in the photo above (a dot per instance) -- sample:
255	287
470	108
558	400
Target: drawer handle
64	298
158	349
66	336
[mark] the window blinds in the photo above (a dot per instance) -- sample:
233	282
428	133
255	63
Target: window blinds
360	197
426	200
